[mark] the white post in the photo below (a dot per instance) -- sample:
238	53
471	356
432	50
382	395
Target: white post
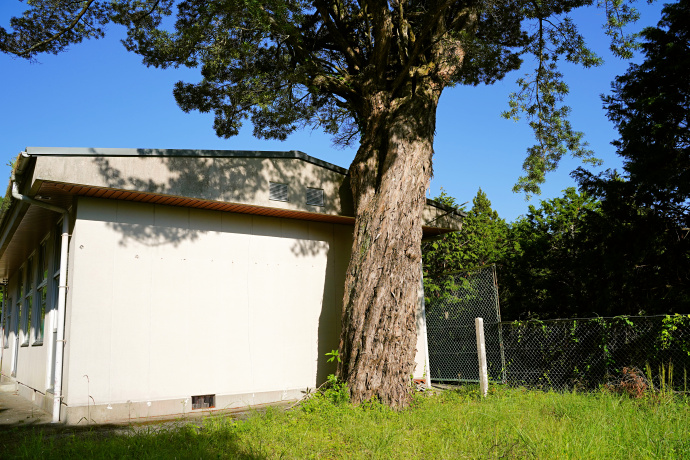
422	329
481	354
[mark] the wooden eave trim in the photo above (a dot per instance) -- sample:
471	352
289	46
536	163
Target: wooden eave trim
173	200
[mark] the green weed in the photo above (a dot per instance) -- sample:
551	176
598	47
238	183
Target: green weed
509	423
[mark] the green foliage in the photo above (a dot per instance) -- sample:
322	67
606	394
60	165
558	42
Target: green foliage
50	26
586	353
599	251
509	423
334	392
650	106
287	64
640	237
618	14
668	335
482	241
545	272
333	355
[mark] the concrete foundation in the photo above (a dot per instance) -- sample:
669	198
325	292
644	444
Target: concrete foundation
141	411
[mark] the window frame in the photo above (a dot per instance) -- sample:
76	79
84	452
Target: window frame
27	321
9	310
19	308
40	306
315	197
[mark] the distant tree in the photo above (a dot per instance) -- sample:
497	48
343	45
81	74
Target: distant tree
366	71
484	235
644	224
545	273
576	256
650	106
482	241
628	249
643	255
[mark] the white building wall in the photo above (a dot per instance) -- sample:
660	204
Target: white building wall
9	335
31	355
170	302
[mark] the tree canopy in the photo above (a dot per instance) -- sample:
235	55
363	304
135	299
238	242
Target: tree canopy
546	272
287	64
621	244
650	106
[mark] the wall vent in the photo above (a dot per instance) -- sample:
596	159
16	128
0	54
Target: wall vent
315	196
204	402
277	192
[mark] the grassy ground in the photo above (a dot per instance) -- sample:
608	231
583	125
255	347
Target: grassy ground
509	423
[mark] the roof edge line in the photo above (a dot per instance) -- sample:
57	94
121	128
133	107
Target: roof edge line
198	153
445	207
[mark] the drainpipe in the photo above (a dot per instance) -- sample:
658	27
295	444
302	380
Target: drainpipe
62	293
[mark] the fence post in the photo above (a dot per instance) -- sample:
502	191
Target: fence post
481	354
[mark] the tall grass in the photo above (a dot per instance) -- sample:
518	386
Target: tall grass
510	423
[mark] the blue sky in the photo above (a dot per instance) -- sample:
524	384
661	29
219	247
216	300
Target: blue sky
99	95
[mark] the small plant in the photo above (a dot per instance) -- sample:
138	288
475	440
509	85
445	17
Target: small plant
669	330
650	377
337	391
666	377
333	392
666	372
333	355
373	403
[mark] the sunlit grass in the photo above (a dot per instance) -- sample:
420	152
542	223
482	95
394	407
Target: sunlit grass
509	423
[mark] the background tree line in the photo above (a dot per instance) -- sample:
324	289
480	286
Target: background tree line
619	244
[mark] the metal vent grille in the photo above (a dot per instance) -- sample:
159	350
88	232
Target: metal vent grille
203	402
278	192
315	196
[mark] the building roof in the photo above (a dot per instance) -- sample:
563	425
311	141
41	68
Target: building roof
285	184
178	153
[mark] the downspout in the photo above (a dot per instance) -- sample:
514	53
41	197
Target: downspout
62	293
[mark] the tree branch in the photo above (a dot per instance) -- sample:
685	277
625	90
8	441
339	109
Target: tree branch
57	35
426	29
334	29
383	24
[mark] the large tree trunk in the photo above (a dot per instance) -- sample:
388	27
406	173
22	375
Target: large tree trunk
389	178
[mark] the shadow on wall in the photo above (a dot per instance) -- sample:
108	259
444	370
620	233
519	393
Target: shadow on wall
232	180
182	177
237	180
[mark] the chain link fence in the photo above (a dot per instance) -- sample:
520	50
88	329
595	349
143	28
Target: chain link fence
450	328
561	354
568	354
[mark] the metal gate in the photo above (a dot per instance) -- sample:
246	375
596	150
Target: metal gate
451	333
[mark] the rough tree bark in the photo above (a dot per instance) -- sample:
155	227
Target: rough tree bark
389	178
